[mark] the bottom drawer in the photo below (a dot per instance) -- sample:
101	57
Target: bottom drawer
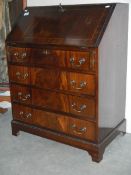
68	125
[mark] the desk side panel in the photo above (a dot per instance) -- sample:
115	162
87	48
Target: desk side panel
112	71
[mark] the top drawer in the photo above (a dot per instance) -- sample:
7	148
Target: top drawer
78	60
18	55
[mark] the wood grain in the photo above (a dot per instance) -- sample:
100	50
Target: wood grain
55	122
19	74
53	27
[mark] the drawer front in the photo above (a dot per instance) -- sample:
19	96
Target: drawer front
68	125
19	74
22	113
18	55
50	100
48	78
82	61
55	79
20	94
51	121
46	57
83	107
78	60
81	83
82	129
68	59
61	123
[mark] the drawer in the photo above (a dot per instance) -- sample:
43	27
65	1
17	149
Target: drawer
81	83
23	113
18	55
50	100
48	78
82	107
78	60
55	79
19	74
20	94
68	125
46	57
60	123
82	129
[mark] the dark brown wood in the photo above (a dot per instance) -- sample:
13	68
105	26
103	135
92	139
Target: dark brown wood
76	60
82	107
51	26
20	94
68	125
50	100
19	74
56	59
23	114
79	106
18	55
82	83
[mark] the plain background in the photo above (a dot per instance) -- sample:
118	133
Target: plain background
128	91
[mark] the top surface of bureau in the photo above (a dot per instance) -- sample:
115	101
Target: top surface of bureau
67	26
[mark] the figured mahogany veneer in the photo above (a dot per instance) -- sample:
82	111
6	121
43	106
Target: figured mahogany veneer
67	72
79	106
77	60
53	79
61	123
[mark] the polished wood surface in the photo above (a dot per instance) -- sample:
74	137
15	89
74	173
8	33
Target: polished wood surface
57	26
55	79
23	114
55	122
56	58
50	100
19	74
82	83
52	79
83	107
78	60
79	106
66	103
72	60
21	94
18	55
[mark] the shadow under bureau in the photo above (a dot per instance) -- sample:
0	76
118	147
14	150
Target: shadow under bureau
67	73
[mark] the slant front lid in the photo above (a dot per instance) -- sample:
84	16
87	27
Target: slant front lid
77	26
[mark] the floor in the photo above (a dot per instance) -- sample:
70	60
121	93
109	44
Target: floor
33	155
4	99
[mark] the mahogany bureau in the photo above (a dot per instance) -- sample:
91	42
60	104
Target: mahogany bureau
67	72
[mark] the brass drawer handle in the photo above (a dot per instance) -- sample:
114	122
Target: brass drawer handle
20	56
22	77
46	52
25	116
23	97
78	130
82	85
79	109
81	62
